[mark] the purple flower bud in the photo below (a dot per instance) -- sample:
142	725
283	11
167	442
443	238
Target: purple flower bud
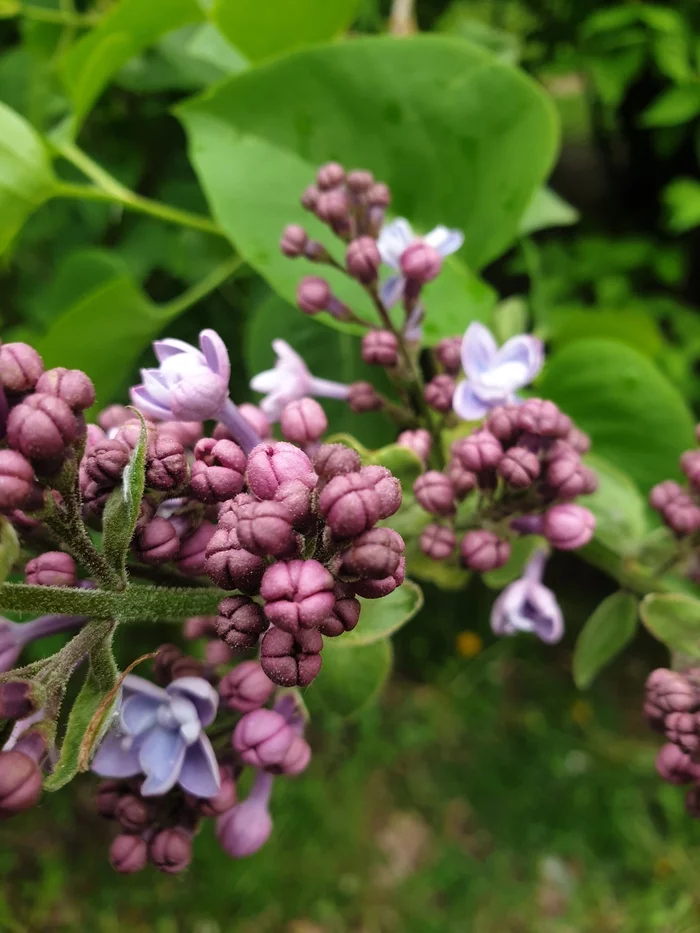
191	558
542	418
16	700
363	398
437	542
109	793
333	207
171	663
41	427
566	477
690	464
294	240
186	433
129	433
199	627
265	528
663	494
296	498
483	550
262	738
362	260
387	487
682	515
330	175
291	660
71	385
245	829
230	566
271	464
579	441
419	441
568	526
335	459
128	854
297	593
53	568
449	354
313	295
682	730
166	465
16	480
503	422
463	481
309	198
359	181
20	367
350	504
133	813
674	766
345	614
519	467
113	417
379	195
212	484
256	418
246	687
157	542
374	554
439	392
303	421
478	452
668	692
376	589
434	493
223	801
380	348
20	782
296	760
106	461
230	509
170	851
216	653
240	622
421	262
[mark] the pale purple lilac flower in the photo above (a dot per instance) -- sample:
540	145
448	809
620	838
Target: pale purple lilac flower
395	238
529	606
494	375
192	385
290	380
160	733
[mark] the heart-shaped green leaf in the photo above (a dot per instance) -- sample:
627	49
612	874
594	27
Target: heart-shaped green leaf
380	618
674	619
351	675
605	634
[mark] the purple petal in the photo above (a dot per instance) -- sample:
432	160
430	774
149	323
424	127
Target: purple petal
155	383
326	388
138	713
466	404
393	239
506	606
391	291
141	399
215	353
265	381
549	623
133	685
199	692
163	349
516	364
115	757
199	774
479	349
444	240
161	755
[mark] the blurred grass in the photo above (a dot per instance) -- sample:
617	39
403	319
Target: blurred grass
496	800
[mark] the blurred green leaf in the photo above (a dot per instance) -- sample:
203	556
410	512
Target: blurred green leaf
521	551
256	140
618	506
682	203
262	30
351	675
674	619
611	627
129	27
676	105
509	318
403	463
26	176
632	326
9	547
636	419
380	618
123	506
447	574
208	44
545	210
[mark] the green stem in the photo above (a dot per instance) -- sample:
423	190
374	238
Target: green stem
60	17
111	190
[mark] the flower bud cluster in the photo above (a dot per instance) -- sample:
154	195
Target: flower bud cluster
679	506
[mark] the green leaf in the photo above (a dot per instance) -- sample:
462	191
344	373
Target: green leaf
261	30
618	506
448	575
509	318
9	548
122	509
208	45
352	675
545	210
389	105
100	680
521	552
380	618
675	620
26	176
128	28
675	106
682	203
636	419
611	627
633	326
403	463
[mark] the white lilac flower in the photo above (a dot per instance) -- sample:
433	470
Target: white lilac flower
494	375
290	380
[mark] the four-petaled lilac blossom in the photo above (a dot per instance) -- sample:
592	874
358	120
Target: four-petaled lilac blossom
291	380
159	733
529	606
494	375
396	238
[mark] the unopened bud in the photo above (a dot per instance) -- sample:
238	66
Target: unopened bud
265	528
106	461
191	558
363	397
377	589
437	542
72	385
542	418
350	504
240	622
439	392
53	568
463	481
294	240
483	551
335	459
313	295
297	593
170	851
246	687
20	367
434	493
380	348
359	181
362	259
478	452
272	464
568	526
128	854
20	782
374	554
519	467
421	262
157	542
303	421
291	660
344	615
449	353
166	465
419	441
16	480
41	427
330	175
230	566
502	422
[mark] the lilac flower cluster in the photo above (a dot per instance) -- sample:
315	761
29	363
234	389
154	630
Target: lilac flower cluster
679	506
672	707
